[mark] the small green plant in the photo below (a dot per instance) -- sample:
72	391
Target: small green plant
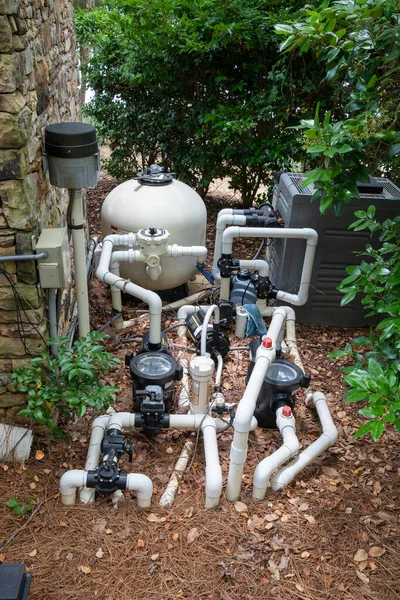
17	507
68	383
374	376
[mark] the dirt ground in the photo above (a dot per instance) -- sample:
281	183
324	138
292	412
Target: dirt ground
333	534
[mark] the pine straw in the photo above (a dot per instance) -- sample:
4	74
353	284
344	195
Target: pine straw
229	558
236	556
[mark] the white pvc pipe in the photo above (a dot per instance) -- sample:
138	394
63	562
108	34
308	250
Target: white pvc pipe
290	447
310	235
183	313
69	483
213	309
225	288
15	443
199	252
151	298
129	256
247	405
192	422
143	487
290	340
255	265
187	311
218	374
224	219
79	245
169	493
189	299
99	426
327	438
213	467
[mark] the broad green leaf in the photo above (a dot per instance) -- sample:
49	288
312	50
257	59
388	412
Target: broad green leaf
348	297
282	28
375	428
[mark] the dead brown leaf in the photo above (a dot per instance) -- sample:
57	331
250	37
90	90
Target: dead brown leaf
330	472
39	454
362	577
192	535
310	519
376	551
86	570
240	506
153	518
360	555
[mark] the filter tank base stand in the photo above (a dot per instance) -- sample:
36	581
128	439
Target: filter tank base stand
171	295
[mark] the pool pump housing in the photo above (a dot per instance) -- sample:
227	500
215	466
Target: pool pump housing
279	387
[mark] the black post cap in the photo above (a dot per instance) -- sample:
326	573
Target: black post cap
71	140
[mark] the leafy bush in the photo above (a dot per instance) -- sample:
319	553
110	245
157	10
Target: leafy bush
199	85
375	375
68	383
356	42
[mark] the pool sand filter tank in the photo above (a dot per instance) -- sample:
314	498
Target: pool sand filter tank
153	239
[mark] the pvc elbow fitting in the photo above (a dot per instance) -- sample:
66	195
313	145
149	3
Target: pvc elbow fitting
143	487
69	483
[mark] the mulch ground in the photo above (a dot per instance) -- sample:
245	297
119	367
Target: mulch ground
298	544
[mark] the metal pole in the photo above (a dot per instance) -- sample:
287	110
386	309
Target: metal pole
78	241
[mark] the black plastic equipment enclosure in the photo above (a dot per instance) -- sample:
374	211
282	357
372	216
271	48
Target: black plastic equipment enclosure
71	140
14	582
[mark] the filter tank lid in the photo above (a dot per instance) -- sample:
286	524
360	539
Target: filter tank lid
71	140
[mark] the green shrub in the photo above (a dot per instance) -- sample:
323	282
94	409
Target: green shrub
68	383
375	375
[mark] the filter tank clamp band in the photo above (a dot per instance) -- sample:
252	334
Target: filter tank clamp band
81	226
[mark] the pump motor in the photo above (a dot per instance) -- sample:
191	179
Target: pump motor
217	341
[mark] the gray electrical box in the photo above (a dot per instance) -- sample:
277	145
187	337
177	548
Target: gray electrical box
55	269
335	251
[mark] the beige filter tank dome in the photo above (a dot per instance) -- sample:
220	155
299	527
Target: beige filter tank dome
156	199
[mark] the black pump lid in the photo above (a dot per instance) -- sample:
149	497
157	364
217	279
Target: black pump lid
71	140
243	274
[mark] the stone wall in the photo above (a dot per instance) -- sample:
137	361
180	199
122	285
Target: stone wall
38	86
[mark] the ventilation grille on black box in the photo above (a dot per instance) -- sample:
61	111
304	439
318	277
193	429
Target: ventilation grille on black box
297	181
394	191
389	186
